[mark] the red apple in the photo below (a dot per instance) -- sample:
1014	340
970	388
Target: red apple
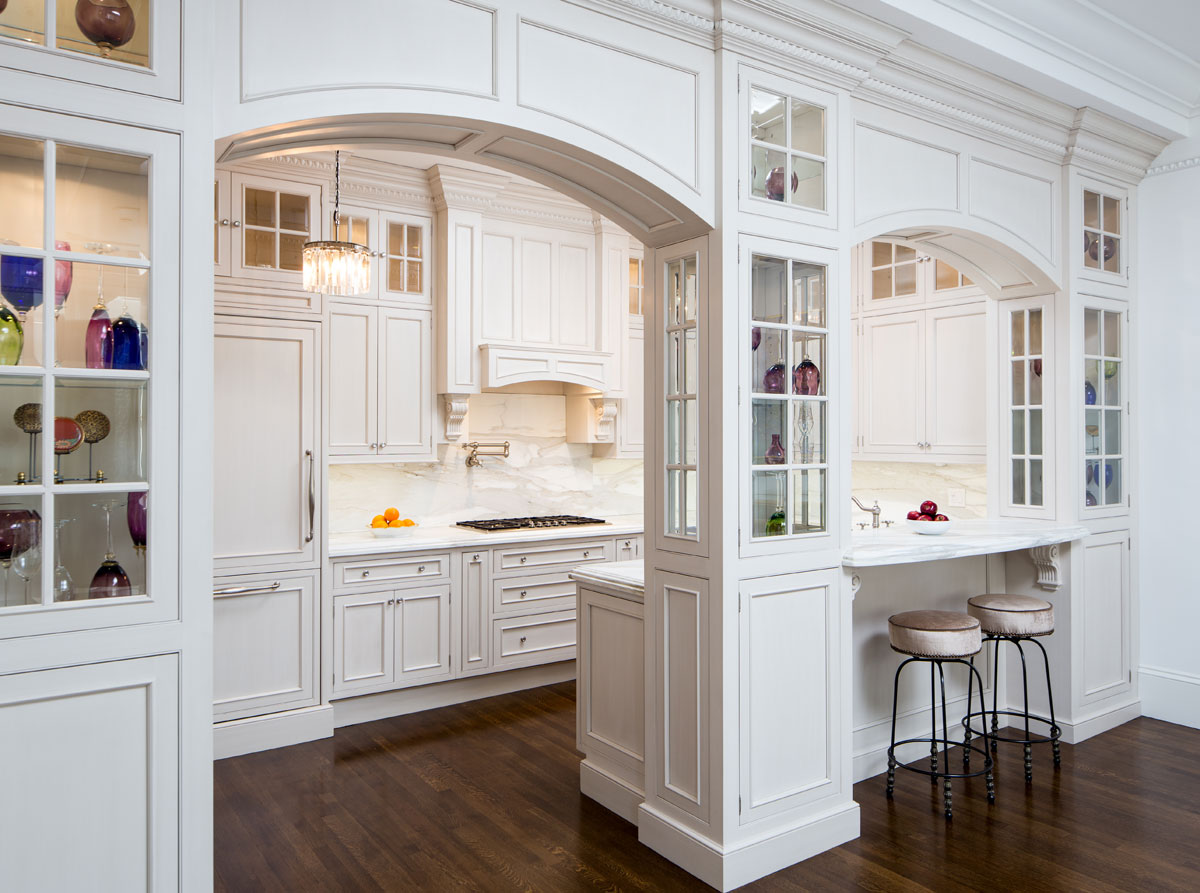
929	507
914	516
925	518
940	518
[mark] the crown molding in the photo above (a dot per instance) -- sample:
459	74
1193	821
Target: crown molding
1101	142
665	18
1171	167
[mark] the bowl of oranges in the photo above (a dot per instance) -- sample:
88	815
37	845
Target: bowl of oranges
391	524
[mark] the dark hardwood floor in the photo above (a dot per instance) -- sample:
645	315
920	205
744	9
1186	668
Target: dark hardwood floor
485	796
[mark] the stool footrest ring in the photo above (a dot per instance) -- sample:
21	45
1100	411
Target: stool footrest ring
1054	734
937	773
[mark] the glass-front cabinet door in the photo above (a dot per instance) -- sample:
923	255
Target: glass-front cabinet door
787	414
1104	405
1028	336
681	290
84	431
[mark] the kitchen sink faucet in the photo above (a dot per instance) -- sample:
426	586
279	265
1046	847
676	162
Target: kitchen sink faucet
874	510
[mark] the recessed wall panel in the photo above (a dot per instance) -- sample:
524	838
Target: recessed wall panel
573	322
498	307
893	174
433	44
1105	662
1022	204
682	683
537	283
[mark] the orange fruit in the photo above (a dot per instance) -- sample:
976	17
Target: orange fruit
408	522
395	522
391	514
378	521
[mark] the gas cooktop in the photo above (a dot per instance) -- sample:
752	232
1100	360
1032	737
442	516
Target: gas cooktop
530	523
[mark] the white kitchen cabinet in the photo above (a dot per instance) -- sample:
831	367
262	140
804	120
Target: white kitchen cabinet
892	277
631	422
923	384
527	640
264	644
474	614
380	382
399	245
222	223
272	219
628	548
391	639
266	445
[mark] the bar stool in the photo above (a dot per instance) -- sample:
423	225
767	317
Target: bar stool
1016	619
937	638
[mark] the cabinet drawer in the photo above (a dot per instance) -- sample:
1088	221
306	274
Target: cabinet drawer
520	595
514	559
391	571
536	639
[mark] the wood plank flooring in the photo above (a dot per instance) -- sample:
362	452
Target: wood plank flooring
485	796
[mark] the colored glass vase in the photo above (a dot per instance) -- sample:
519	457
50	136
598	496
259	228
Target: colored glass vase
773	379
1089	393
135	517
12	338
64	274
775	455
106	23
777	523
110	579
21	282
806	378
20	533
127	344
98	341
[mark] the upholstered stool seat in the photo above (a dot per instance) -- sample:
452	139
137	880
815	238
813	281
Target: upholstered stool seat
937	638
1015	619
935	634
1012	615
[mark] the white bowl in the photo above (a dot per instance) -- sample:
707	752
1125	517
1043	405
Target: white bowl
930	528
386	532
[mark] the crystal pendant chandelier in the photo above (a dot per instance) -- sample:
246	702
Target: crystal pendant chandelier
336	267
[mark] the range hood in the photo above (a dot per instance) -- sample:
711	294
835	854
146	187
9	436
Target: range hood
503	365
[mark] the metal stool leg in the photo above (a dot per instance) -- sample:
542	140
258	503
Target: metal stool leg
1055	731
967	722
988	762
891	773
1025	689
946	790
933	748
995	691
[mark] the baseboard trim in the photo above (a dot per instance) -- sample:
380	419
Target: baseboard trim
252	734
729	869
368	708
614	794
1170	695
1100	721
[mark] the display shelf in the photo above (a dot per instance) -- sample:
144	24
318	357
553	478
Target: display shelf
1104	408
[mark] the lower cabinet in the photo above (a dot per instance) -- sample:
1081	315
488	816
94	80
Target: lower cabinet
391	639
533	639
264	644
628	548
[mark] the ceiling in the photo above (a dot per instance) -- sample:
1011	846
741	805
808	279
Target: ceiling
1139	61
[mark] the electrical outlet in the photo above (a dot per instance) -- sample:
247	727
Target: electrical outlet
956	497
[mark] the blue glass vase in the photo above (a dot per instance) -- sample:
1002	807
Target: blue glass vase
127	344
1089	393
21	282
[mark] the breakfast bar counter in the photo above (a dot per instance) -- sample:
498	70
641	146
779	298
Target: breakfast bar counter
900	545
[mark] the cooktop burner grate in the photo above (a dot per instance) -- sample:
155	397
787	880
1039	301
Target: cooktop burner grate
530	523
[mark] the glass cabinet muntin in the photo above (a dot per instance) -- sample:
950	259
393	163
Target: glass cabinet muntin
88	368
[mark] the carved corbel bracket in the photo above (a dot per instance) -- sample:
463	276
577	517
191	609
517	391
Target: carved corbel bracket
456	410
1045	561
606	417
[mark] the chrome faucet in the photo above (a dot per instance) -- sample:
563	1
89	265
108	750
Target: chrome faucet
874	510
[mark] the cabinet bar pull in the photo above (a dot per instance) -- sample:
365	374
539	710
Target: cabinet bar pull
312	497
246	590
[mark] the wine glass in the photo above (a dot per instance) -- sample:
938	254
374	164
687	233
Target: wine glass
110	579
19	532
64	586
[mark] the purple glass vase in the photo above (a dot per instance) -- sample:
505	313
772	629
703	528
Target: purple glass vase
755	338
64	273
20	531
773	379
776	455
98	342
106	23
135	516
806	378
110	580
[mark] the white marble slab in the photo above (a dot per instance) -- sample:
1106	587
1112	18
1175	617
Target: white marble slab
900	545
343	545
624	579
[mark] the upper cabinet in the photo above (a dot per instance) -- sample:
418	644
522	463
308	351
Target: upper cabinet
129	45
893	276
399	247
1104	248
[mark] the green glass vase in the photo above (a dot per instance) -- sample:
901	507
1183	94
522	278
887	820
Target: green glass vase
12	338
777	523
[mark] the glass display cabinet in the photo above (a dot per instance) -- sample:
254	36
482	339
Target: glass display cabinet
1102	231
789	418
110	29
1026	406
1104	407
682	386
77	345
787	150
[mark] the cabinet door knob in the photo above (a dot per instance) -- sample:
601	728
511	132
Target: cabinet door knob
626	544
391	601
236	224
522	559
586	554
224	221
523	592
475	558
420	569
522	640
366	573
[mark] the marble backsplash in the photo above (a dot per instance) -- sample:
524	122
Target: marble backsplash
543	475
903	486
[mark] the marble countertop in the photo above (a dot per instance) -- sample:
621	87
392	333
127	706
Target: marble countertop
342	545
625	579
901	545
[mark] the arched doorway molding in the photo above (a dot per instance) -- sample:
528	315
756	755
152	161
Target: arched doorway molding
1000	262
641	198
